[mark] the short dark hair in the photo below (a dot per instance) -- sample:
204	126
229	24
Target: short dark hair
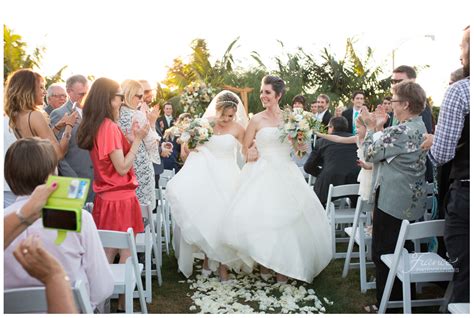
408	70
389	98
278	85
167	103
28	163
339	123
413	93
357	93
298	99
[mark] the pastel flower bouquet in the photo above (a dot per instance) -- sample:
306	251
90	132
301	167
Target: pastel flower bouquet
298	126
191	131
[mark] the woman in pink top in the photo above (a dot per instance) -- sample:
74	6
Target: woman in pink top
116	206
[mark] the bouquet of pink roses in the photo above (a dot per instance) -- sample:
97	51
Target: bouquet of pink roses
192	132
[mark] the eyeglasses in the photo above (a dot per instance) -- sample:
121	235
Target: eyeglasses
59	95
146	91
398	101
395	81
122	97
82	94
139	96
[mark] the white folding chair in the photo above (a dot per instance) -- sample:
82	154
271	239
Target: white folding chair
33	300
340	215
361	237
165	176
126	276
416	267
458	308
146	242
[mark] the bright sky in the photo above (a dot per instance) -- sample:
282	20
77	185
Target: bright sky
138	38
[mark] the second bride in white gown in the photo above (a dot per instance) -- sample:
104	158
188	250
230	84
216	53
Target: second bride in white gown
202	190
276	220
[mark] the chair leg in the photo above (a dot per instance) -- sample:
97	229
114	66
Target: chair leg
406	295
387	291
128	299
148	287
447	297
157	259
350	247
362	264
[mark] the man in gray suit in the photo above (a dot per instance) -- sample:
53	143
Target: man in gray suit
76	162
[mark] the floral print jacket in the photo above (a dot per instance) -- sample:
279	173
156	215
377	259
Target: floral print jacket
399	168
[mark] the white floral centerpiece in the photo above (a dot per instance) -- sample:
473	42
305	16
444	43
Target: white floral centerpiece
192	132
195	98
297	127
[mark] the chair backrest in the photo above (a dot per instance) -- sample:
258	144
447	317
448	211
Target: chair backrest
166	176
121	240
424	229
33	300
342	191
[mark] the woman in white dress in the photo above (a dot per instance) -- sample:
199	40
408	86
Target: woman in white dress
276	220
202	190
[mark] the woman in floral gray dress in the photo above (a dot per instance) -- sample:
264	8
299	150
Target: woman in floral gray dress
399	174
142	165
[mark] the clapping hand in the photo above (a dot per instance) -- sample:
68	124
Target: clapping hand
381	117
137	132
153	115
68	119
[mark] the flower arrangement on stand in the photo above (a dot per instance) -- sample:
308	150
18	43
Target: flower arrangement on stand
298	126
191	131
196	97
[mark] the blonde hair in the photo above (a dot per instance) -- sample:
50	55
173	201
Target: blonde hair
130	89
20	93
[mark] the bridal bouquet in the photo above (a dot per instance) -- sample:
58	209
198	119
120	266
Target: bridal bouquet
298	126
193	131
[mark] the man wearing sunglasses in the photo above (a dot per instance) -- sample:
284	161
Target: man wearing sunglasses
76	162
408	73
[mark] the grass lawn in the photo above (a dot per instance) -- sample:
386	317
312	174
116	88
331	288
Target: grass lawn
175	297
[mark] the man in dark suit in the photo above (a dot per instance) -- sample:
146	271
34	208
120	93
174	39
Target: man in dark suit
76	162
166	121
338	161
320	109
353	112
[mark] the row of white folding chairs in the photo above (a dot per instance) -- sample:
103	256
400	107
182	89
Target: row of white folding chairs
33	300
163	219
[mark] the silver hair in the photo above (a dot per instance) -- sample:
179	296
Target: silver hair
74	79
53	86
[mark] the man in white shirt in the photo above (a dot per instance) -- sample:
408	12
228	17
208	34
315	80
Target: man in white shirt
353	112
167	120
320	109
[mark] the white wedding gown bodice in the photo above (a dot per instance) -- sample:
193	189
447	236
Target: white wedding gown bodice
276	219
199	195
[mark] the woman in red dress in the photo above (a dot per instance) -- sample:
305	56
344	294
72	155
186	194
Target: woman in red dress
116	206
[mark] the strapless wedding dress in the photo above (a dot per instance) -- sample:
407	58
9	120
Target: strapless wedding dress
199	195
276	219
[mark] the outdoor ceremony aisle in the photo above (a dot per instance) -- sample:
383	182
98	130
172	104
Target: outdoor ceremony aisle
331	291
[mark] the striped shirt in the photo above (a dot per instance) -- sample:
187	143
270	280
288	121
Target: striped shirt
454	108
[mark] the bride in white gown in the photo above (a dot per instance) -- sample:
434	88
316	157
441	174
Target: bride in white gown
276	220
202	190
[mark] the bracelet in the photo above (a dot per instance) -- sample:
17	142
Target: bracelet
21	217
72	126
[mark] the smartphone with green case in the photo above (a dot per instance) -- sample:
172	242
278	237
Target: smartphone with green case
63	210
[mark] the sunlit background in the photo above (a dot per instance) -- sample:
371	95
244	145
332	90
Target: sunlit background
139	39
